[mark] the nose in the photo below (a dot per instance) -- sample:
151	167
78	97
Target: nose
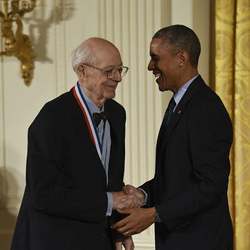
117	76
150	65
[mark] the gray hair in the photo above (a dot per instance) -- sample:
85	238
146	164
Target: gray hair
82	54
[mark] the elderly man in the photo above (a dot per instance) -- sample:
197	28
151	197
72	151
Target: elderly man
75	160
187	198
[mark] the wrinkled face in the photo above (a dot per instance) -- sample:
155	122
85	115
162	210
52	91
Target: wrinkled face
97	79
165	65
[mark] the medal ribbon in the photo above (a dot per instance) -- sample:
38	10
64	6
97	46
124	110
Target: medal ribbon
76	90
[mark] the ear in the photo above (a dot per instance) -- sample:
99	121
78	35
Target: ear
81	71
182	57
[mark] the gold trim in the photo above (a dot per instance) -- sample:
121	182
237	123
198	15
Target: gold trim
15	42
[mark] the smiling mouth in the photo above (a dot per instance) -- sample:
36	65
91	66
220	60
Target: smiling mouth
157	76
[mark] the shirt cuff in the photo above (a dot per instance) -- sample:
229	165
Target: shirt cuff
110	204
145	196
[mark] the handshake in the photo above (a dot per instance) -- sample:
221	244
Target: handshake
129	202
129	197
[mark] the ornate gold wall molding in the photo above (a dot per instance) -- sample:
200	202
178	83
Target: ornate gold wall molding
15	42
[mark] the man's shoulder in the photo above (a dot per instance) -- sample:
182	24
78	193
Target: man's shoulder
203	93
206	102
114	106
59	102
54	109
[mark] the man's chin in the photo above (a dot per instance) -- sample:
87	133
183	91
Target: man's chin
161	84
110	95
160	87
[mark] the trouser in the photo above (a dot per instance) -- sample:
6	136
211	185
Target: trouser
109	236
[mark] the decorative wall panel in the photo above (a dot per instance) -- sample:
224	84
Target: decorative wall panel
130	25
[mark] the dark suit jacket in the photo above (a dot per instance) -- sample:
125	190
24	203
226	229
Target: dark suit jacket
65	202
189	189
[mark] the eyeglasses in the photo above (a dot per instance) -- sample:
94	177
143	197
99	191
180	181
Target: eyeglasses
110	72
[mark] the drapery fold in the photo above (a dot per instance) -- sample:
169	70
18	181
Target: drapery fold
231	81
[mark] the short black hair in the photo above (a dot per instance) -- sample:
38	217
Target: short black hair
183	38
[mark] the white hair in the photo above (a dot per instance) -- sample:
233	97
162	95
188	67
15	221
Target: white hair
82	54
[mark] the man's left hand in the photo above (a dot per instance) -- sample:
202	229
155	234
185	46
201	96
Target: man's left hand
138	219
126	242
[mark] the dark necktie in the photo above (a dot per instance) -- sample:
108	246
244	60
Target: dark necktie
97	117
169	112
165	121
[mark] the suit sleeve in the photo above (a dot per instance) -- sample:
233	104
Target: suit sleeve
210	137
148	188
51	189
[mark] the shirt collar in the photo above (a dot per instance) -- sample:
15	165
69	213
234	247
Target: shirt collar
92	107
180	93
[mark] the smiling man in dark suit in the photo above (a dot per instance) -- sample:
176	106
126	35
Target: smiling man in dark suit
75	161
187	198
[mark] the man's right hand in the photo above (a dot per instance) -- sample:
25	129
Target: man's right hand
130	197
120	200
139	196
126	242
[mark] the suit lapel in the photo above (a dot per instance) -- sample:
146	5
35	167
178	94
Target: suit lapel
166	132
114	134
86	128
113	123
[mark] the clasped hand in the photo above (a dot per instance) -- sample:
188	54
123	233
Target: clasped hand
137	219
130	197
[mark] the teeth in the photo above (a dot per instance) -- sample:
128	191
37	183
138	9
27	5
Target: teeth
157	75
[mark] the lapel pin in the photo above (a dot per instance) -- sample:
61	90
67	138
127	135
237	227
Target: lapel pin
179	112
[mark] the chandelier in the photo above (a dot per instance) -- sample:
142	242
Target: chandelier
14	41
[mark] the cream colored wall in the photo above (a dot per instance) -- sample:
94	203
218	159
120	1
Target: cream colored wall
56	27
